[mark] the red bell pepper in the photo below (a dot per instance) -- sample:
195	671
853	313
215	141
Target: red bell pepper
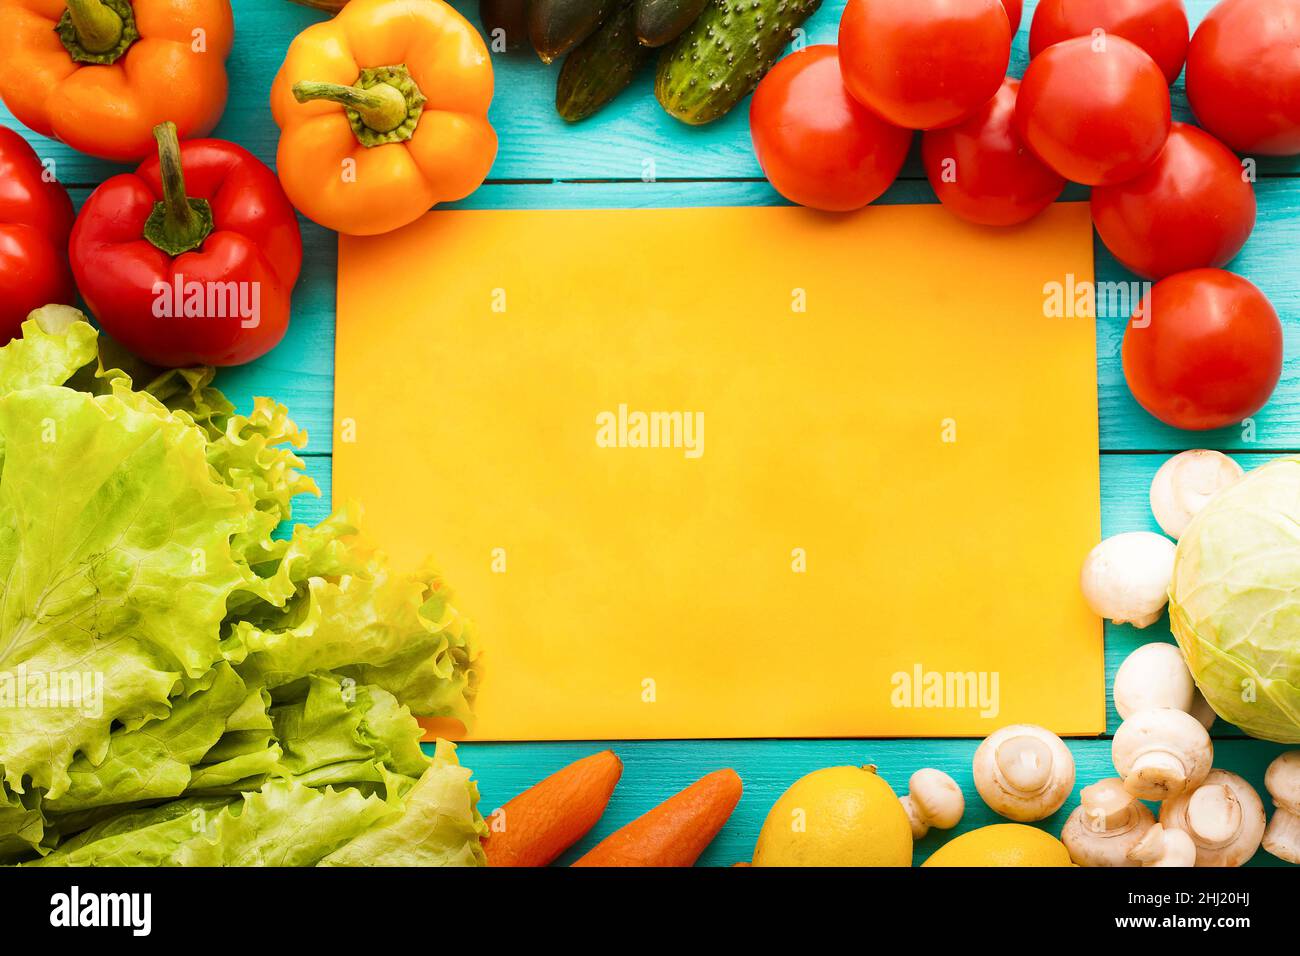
35	219
197	277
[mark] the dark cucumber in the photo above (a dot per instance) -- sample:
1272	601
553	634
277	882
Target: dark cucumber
721	57
659	22
601	66
505	23
557	26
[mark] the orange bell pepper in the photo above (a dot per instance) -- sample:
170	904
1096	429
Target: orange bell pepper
101	74
383	113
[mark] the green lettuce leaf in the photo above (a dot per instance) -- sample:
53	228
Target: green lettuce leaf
284	565
432	821
55	343
439	824
253	454
247	753
151	836
115	553
334	731
239	770
22	824
283	824
434	678
155	761
398	632
180	683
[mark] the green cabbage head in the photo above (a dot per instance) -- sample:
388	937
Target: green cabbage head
1234	604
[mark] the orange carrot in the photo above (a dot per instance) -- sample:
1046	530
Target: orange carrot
550	816
674	833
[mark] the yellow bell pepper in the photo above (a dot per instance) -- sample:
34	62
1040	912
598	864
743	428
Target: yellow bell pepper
383	113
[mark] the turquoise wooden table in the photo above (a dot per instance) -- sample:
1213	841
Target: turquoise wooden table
605	162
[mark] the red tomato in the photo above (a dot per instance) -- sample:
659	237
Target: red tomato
35	219
1095	110
1157	26
1243	75
818	145
1192	208
983	172
924	63
1013	13
1210	353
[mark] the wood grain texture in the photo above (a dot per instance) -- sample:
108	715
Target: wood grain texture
715	166
654	771
535	143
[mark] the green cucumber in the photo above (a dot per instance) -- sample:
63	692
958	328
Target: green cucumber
721	57
659	22
557	26
510	17
601	66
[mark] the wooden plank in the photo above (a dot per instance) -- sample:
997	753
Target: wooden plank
634	131
615	145
300	371
1126	506
653	771
536	144
1125	484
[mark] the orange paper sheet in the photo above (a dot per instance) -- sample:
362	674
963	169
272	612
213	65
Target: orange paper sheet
736	472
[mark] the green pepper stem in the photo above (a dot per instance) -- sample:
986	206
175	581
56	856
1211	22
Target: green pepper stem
382	108
180	217
178	223
98	27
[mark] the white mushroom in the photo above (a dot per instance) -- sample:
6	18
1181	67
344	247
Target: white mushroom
1154	675
1161	753
1161	847
1186	483
1282	838
1202	710
1024	772
1224	817
1126	577
933	800
1106	826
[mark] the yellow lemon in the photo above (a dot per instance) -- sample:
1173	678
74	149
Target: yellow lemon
1003	844
840	816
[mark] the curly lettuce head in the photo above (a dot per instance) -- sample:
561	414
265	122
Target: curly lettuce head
158	641
1235	601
